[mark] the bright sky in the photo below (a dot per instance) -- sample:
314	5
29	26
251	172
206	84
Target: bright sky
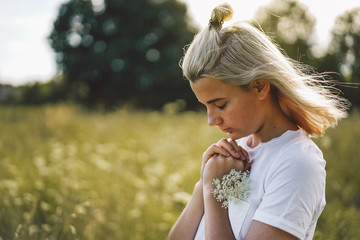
25	54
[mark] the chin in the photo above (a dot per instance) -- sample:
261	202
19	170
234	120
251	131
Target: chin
236	135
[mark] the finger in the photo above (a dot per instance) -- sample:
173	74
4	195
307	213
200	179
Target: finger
245	154
214	149
240	165
242	153
224	143
247	165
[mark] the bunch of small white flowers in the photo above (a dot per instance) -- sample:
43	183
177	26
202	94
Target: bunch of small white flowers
233	187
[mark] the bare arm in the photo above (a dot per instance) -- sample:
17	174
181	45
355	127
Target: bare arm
217	223
189	220
262	231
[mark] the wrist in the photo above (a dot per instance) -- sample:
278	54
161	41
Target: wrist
209	198
207	188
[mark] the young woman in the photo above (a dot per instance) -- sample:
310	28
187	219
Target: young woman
269	107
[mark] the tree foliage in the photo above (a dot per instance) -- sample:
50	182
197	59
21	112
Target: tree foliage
115	51
345	44
36	93
345	48
291	24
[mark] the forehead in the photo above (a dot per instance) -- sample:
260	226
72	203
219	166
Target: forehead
207	89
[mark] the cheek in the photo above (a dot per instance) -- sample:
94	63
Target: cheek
245	115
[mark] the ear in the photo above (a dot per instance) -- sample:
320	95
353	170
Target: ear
262	88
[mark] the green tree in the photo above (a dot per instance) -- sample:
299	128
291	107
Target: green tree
291	24
116	51
40	93
345	47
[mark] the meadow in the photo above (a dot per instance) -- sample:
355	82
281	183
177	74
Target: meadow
66	173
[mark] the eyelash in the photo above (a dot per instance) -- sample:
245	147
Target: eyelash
222	107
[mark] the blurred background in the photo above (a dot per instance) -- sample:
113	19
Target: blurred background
111	53
100	135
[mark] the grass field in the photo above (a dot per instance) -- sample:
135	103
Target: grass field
69	174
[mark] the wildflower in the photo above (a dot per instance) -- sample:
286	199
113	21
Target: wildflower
233	187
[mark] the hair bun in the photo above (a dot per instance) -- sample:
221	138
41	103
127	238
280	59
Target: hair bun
220	14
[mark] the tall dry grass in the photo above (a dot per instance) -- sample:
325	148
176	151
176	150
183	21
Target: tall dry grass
69	174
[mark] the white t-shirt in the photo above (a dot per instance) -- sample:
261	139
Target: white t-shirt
288	187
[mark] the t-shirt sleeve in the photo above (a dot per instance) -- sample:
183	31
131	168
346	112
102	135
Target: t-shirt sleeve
294	191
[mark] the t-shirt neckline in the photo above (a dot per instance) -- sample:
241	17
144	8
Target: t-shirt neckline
273	140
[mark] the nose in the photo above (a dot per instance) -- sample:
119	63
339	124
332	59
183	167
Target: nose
213	119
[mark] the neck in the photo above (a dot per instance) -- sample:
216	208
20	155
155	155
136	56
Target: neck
274	125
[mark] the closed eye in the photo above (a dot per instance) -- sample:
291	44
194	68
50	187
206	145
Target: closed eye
221	107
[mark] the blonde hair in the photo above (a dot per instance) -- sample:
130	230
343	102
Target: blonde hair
240	53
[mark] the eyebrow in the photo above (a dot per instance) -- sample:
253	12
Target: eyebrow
214	100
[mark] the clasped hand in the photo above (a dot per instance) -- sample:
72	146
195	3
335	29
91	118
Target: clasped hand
220	158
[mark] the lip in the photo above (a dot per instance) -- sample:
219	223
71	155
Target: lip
226	130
